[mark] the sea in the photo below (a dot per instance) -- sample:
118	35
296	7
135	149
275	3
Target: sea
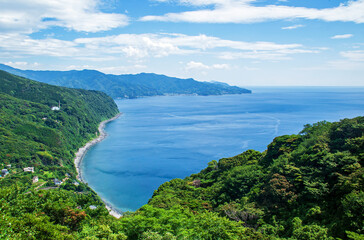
165	137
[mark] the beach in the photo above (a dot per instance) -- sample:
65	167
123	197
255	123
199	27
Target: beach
83	150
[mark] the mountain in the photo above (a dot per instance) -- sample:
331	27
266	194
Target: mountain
41	128
304	186
127	86
65	119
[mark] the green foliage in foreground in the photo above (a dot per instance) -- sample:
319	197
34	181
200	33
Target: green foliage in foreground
305	186
32	135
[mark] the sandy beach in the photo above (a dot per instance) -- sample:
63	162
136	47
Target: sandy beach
81	153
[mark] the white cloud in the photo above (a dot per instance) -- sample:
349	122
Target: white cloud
346	65
350	61
246	68
26	46
343	36
200	2
139	47
24	16
357	56
22	65
279	54
242	11
221	66
196	65
292	27
135	68
201	66
161	45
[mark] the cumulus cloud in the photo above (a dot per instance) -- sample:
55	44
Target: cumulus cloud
24	16
243	11
343	36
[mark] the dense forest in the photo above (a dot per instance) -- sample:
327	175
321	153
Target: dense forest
37	147
304	186
127	85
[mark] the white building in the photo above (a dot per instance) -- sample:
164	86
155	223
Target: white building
57	182
29	169
4	172
55	108
35	179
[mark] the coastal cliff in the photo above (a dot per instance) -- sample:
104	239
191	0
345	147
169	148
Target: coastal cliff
304	186
42	127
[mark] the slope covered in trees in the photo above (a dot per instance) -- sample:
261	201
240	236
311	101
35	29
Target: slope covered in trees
128	85
304	186
33	135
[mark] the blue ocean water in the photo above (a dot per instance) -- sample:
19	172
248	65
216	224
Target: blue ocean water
161	138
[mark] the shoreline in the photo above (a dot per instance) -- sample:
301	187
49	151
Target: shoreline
81	154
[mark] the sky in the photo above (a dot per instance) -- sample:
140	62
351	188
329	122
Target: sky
240	42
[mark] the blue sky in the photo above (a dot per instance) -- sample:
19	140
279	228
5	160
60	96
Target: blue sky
241	42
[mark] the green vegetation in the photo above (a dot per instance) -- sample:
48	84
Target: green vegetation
305	186
33	135
127	86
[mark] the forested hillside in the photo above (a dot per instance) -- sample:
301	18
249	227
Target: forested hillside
128	85
34	136
304	186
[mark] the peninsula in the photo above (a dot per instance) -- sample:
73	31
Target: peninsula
304	186
128	85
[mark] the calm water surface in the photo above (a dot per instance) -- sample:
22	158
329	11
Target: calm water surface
161	138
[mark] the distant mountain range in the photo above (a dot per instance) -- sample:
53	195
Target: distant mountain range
128	85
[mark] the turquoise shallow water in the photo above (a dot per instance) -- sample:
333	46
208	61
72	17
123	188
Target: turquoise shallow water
161	138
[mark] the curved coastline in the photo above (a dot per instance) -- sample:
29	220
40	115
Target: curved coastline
81	154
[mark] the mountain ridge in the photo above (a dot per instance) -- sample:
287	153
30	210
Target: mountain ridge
127	85
304	186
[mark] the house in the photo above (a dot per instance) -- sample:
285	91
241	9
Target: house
4	172
55	108
76	183
29	169
35	179
8	166
57	182
92	207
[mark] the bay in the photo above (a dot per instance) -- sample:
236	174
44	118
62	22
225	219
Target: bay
161	138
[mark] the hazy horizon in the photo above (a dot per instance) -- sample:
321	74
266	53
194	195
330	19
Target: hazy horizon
240	42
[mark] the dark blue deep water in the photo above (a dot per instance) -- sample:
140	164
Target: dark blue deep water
161	138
